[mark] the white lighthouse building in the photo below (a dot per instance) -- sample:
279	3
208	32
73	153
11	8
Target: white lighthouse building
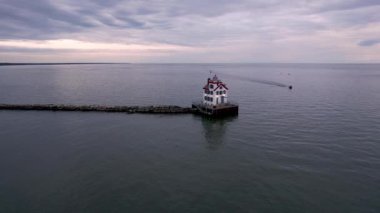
215	92
215	100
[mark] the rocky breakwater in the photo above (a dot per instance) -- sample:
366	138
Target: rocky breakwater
164	109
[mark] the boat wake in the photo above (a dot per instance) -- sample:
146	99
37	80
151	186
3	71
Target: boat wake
260	81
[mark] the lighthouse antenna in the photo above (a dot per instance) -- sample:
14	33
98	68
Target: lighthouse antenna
212	73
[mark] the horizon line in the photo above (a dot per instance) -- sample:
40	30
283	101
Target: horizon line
100	63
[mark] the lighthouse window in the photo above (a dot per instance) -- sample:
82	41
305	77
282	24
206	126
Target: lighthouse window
211	86
211	99
211	92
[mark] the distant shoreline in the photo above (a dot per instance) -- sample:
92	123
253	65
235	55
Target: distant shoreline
254	63
21	64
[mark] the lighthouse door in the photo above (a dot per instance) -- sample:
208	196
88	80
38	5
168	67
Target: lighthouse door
222	99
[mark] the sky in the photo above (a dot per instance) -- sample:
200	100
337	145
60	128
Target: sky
190	31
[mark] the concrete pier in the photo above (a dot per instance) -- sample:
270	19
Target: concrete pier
165	109
220	110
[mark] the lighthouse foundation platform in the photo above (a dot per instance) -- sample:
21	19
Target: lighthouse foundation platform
220	110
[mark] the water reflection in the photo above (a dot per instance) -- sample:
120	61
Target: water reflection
214	130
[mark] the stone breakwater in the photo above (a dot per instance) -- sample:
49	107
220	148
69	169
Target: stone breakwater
165	109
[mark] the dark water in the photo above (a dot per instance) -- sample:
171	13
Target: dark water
315	148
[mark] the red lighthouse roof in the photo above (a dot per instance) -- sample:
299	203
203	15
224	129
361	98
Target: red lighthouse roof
221	85
215	81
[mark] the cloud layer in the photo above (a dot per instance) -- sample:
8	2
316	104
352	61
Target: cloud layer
190	31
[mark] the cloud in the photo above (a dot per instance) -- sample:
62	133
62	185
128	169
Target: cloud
341	5
369	42
245	28
38	19
64	44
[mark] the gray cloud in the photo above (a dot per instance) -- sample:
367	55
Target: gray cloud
369	42
326	6
38	19
195	23
41	19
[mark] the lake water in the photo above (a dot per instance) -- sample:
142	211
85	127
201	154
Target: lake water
315	148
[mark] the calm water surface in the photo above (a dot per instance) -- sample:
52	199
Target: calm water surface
315	148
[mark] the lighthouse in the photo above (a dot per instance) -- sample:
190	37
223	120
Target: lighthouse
215	101
215	92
